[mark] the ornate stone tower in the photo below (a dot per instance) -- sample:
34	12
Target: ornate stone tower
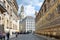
22	12
22	8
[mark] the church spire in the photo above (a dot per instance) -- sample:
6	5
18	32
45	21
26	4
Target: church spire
22	12
22	8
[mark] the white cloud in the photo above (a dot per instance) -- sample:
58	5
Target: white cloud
39	4
35	3
30	10
19	8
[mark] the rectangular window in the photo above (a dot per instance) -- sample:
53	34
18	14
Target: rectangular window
58	8
0	18
45	8
48	1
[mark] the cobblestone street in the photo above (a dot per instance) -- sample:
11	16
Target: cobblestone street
30	37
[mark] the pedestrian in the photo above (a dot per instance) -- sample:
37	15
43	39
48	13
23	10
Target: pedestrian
16	34
8	34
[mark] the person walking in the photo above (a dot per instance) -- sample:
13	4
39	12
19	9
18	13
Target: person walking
8	34
16	34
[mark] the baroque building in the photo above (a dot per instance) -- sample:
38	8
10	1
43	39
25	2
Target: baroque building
48	18
22	15
2	11
9	15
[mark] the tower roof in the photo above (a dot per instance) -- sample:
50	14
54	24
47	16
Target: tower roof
22	8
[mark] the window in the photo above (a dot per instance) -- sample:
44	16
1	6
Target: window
7	20
58	8
54	0
0	18
4	14
11	15
11	11
4	2
48	1
7	7
7	27
45	8
42	12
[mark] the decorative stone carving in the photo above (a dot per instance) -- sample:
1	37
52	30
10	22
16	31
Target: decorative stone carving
50	16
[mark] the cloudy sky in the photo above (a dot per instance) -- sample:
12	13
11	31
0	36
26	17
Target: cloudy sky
30	6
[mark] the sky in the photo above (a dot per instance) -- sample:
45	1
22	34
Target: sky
30	6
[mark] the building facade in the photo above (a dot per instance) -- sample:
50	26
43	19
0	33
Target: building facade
22	14
28	24
2	11
48	18
10	16
21	17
